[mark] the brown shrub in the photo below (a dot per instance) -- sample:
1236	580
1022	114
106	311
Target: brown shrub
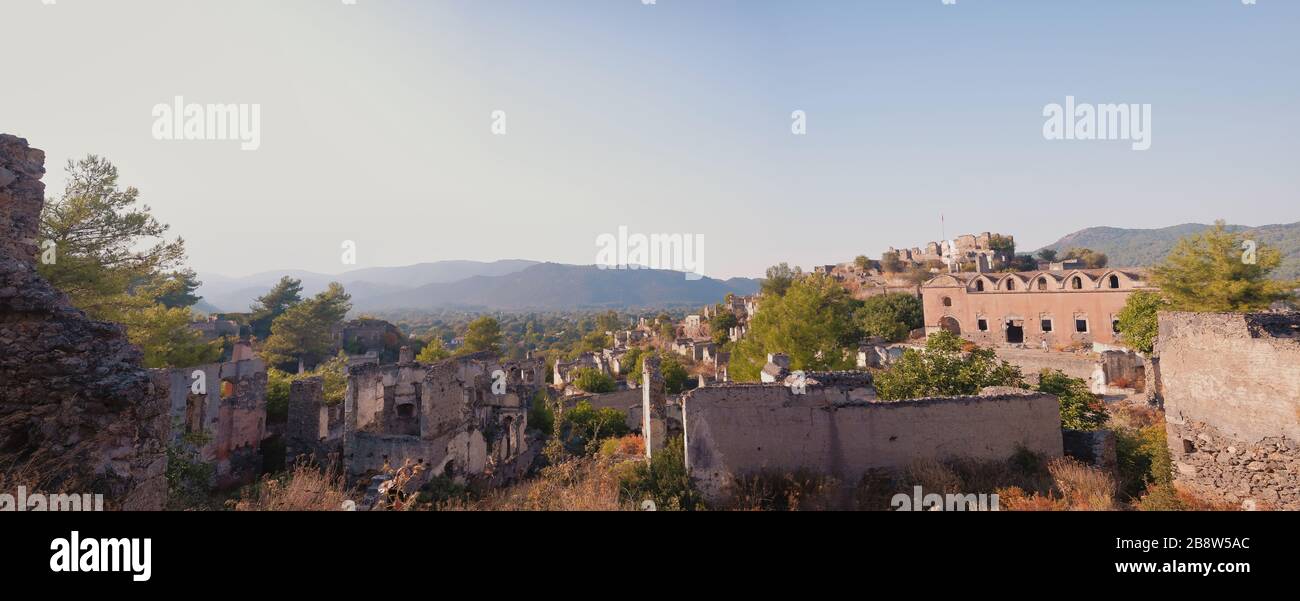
305	488
587	484
790	491
1083	487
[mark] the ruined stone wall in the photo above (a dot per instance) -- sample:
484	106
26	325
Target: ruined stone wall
78	412
230	415
1231	387
455	416
742	429
314	430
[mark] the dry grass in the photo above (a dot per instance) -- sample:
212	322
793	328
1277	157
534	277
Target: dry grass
305	488
1083	487
794	491
1134	416
574	485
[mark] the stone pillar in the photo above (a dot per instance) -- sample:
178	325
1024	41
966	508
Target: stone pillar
405	356
654	411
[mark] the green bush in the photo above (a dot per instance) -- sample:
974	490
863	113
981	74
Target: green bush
592	380
540	416
942	369
1144	460
662	480
1080	408
584	427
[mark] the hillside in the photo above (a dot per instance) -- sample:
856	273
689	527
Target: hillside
1146	247
236	294
555	286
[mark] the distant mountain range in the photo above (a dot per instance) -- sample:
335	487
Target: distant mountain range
500	286
236	294
1144	248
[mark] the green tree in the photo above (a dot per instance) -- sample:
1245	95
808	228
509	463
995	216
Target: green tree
1006	245
942	369
583	427
862	262
1080	408
305	332
433	352
1138	324
175	290
1047	254
890	316
812	322
286	293
780	278
670	368
1212	271
1091	259
593	381
483	335
106	243
114	263
165	337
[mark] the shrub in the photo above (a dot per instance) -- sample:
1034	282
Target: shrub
541	417
583	427
592	380
945	368
1083	487
776	491
305	488
663	480
1143	458
1080	408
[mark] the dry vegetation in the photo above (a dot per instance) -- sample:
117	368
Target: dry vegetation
589	484
304	488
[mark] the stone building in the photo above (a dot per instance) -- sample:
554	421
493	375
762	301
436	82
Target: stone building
222	405
1041	309
368	335
314	429
466	417
1231	387
79	414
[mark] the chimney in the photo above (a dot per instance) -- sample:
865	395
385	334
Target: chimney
405	356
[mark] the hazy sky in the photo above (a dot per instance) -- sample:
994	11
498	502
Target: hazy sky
668	118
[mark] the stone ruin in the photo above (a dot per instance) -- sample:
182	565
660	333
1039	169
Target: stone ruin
1231	388
829	423
78	411
225	415
464	418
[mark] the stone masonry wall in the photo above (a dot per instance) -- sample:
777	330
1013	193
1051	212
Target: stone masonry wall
1231	387
78	412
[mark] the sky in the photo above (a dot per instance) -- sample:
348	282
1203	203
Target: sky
376	122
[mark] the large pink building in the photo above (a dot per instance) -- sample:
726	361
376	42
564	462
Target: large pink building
1037	309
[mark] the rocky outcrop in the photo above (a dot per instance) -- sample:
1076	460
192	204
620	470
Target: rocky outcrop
78	412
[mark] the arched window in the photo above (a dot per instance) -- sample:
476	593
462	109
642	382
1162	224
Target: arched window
1011	284
1077	283
1114	281
947	302
1042	283
979	285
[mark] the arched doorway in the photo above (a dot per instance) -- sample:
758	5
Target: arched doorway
950	324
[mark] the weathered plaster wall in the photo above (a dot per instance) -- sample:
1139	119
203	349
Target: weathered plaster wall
746	428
